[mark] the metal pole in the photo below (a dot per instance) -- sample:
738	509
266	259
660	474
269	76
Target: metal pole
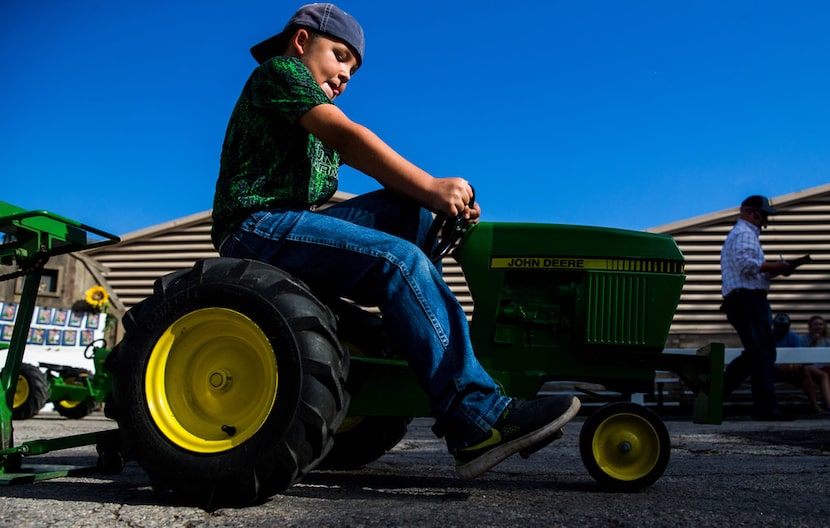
14	358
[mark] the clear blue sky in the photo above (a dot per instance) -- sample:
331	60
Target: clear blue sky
627	114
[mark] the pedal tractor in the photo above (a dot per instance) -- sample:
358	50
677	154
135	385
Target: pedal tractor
233	380
74	392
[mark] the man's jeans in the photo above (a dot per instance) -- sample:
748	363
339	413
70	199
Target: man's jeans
749	313
368	249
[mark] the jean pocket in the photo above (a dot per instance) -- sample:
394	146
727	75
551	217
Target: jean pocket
272	224
261	235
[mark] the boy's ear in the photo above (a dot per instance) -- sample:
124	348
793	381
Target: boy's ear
298	42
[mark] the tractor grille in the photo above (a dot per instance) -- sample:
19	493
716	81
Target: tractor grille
616	309
646	265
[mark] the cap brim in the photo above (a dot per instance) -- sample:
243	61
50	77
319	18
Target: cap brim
270	48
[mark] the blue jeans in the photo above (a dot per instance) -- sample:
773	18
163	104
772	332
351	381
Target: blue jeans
368	249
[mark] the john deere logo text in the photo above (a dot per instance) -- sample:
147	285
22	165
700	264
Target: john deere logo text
538	262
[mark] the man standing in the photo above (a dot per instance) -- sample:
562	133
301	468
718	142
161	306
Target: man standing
746	277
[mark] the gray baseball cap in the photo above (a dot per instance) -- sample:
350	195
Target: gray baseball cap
325	18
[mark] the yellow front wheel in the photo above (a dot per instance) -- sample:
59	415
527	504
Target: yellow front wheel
75	409
625	446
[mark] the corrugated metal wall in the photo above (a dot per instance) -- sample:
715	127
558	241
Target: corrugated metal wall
802	227
141	258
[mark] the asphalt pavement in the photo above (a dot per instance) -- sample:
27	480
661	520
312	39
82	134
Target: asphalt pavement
739	473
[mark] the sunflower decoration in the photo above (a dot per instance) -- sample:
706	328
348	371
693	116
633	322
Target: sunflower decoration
97	297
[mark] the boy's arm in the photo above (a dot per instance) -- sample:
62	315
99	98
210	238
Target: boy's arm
365	151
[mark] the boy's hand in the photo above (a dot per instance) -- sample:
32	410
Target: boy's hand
452	196
473	214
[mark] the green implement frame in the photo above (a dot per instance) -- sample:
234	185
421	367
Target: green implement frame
29	239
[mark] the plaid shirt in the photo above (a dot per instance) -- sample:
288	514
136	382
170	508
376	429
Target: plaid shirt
741	259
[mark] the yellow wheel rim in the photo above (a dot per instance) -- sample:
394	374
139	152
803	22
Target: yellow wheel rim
626	446
21	392
211	380
71	404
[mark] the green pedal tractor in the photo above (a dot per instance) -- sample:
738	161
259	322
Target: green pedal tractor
74	392
233	380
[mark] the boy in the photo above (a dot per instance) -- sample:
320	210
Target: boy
280	158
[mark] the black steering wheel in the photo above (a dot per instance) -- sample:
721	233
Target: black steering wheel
451	229
89	351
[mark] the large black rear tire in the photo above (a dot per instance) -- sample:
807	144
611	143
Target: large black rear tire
363	439
228	384
31	392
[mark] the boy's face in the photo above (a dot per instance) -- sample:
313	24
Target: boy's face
331	61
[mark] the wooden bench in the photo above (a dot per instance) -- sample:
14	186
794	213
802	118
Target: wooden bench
671	395
670	391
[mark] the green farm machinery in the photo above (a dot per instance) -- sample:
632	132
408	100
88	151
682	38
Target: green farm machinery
233	380
29	239
74	392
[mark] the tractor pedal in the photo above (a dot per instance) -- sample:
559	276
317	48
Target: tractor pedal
525	453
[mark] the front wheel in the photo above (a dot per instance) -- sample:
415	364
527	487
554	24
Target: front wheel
228	384
624	446
75	409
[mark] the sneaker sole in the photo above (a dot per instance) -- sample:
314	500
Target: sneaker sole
485	462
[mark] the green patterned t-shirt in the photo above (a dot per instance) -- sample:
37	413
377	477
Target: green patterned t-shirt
268	159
